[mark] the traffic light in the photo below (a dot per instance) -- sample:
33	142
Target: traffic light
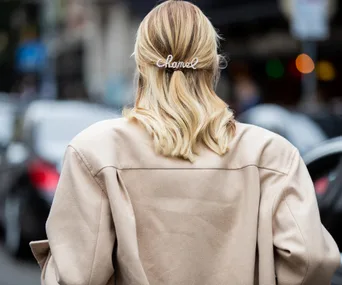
275	68
299	66
325	71
292	69
305	64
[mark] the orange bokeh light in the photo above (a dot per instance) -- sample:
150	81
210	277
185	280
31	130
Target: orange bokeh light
304	63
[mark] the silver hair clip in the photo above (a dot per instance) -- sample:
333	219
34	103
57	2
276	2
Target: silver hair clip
177	65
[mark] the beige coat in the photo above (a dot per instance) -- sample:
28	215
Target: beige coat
248	217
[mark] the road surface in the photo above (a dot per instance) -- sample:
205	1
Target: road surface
17	272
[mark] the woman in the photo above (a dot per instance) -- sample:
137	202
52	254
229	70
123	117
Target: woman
177	192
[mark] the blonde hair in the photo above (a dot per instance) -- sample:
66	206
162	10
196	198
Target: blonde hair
179	108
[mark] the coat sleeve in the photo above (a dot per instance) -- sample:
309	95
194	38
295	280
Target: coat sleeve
79	228
305	253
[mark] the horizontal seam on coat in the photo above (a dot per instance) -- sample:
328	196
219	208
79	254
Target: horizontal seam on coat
185	168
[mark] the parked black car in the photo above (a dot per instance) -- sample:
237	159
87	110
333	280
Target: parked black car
30	172
331	124
325	167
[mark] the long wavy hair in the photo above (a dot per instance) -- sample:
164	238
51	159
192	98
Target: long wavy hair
179	107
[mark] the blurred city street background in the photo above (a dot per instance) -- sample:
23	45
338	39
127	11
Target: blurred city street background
66	64
17	272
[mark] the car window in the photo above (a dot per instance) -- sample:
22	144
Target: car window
52	134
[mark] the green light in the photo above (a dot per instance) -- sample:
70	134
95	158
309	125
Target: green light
274	68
